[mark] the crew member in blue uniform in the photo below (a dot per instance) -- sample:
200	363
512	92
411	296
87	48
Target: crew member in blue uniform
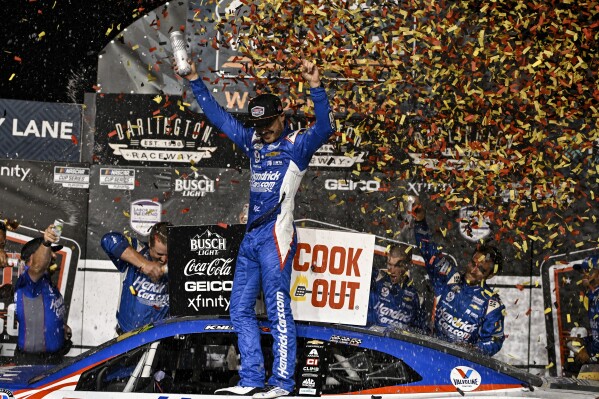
394	300
467	310
588	350
43	336
144	293
279	158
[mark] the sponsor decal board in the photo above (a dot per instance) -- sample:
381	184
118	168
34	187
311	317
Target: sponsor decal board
31	130
201	267
310	369
331	273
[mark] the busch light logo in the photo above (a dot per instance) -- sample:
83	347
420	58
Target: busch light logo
196	187
465	378
208	243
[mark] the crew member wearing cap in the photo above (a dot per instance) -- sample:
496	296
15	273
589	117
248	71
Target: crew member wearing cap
43	333
279	157
467	310
588	348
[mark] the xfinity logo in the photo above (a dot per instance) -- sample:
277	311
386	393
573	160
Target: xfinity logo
14	171
349	185
194	187
208	243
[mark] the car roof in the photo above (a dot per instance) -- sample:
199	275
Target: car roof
165	327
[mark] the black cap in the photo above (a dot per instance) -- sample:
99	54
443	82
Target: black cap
30	247
263	109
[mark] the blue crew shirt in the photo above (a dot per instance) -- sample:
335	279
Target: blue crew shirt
142	300
40	314
464	313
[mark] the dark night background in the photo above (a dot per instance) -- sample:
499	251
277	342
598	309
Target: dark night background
61	65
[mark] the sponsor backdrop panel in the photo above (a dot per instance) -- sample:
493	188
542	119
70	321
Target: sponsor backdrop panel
375	204
40	131
34	194
148	130
132	199
201	268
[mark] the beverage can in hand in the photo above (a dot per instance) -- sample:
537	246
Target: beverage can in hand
180	53
58	225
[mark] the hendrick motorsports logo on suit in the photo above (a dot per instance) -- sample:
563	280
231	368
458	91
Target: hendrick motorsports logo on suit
202	267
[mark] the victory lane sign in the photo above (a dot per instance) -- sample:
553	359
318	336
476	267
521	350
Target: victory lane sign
201	267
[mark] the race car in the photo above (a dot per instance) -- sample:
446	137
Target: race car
191	357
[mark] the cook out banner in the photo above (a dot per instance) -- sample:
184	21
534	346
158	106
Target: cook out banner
331	276
40	131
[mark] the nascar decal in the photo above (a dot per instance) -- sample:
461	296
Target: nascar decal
465	378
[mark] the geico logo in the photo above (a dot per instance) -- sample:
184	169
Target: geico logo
325	292
208	286
336	260
366	185
189	185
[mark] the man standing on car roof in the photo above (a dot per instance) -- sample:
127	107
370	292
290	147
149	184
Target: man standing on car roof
467	310
279	158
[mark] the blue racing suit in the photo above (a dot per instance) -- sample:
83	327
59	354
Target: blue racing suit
395	305
39	309
464	313
267	250
142	300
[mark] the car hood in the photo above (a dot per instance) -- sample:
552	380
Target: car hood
17	377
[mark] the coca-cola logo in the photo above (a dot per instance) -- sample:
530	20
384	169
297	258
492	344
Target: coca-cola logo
216	267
